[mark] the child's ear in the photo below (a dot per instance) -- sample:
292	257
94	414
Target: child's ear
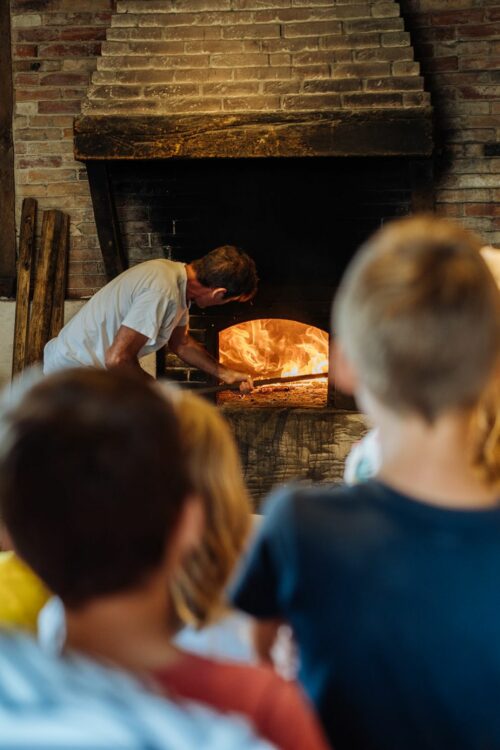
342	372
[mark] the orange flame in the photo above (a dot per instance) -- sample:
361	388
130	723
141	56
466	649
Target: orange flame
274	348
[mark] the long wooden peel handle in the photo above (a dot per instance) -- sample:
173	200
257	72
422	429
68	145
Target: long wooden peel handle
258	383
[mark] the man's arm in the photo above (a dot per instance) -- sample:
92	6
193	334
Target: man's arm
124	350
193	353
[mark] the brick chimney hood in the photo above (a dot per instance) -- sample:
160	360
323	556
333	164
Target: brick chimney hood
255	78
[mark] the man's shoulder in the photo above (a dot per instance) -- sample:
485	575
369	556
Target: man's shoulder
155	269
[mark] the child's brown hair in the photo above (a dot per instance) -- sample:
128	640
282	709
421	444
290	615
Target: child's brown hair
92	480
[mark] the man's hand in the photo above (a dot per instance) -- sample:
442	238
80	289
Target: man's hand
233	376
192	352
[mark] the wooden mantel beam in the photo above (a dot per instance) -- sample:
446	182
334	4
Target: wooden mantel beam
389	132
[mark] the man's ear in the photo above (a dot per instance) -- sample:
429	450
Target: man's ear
219	294
342	372
189	530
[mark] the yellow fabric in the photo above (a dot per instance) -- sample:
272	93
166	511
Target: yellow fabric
22	594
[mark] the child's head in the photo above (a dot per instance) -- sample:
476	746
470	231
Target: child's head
418	317
92	481
215	473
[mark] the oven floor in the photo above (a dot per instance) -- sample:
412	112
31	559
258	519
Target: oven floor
307	394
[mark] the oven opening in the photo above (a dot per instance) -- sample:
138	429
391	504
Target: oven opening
275	348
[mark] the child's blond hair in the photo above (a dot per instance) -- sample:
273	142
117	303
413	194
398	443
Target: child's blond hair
198	591
418	314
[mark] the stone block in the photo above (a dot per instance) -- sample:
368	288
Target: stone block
282	445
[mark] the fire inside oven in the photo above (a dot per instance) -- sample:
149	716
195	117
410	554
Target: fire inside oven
274	348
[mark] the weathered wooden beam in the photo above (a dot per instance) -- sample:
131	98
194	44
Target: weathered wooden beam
7	194
59	295
41	309
398	132
24	265
108	230
271	443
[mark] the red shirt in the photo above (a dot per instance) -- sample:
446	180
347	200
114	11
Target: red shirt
277	708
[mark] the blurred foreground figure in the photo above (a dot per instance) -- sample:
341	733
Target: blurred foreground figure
73	703
391	586
108	515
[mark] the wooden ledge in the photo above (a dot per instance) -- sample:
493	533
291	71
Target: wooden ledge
388	132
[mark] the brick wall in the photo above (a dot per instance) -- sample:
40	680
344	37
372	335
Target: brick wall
55	44
458	45
188	56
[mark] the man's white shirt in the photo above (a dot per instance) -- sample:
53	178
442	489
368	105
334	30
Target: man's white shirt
149	298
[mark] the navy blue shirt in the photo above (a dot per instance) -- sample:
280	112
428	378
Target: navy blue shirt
395	605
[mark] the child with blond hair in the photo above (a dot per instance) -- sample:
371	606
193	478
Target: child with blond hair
391	586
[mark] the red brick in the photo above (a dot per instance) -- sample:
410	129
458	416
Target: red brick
482	209
64	79
26	79
251	103
311	102
33	95
375	24
25	50
458	17
479	92
332	86
40	161
312	29
65	107
441	63
36	35
482	31
388	54
251	31
361	70
69	50
372	100
80	34
51	121
395	83
232	88
479	63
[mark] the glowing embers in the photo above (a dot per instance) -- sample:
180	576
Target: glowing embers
275	348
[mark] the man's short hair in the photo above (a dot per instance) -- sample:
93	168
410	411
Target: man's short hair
228	267
418	314
92	480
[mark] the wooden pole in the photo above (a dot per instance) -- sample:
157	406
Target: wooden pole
57	318
257	383
106	219
24	264
41	309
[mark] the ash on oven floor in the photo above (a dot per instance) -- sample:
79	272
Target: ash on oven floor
308	393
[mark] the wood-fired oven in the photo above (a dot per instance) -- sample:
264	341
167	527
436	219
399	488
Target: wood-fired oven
290	129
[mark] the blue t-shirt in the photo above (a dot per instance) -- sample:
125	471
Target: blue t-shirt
395	605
